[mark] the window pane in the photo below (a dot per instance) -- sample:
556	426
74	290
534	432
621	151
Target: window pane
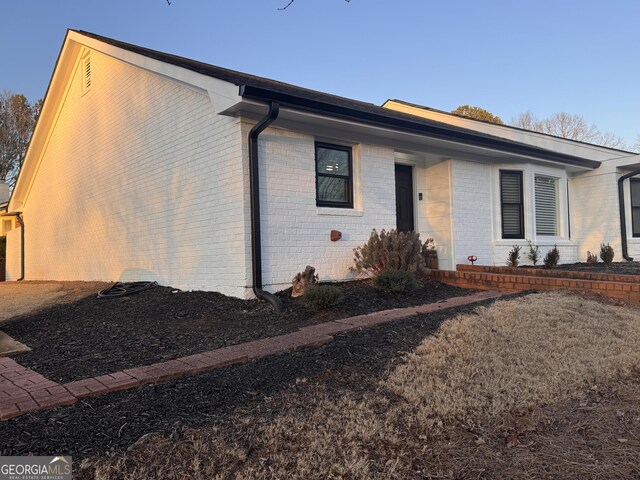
333	162
635	212
511	221
511	187
546	191
511	203
635	193
331	189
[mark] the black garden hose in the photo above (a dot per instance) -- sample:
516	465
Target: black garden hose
120	289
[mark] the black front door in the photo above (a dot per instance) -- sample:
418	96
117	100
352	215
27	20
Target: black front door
404	198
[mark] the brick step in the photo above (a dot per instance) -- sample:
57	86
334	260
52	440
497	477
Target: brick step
629	291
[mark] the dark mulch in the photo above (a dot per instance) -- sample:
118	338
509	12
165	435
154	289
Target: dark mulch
615	268
95	336
113	422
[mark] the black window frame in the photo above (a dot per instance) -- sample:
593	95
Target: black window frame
520	235
635	229
349	178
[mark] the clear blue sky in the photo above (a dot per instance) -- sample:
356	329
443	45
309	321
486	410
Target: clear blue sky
506	56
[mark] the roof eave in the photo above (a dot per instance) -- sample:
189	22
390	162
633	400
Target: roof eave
393	122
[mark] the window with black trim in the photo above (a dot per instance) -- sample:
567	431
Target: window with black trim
511	203
334	176
635	206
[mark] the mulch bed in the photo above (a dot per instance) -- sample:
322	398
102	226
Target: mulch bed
94	336
615	268
113	422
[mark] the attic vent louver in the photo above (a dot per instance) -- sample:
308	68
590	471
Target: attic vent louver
86	74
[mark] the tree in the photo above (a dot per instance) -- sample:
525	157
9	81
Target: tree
477	113
17	119
571	126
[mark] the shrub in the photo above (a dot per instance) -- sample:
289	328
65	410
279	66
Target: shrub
534	253
592	259
606	253
396	281
552	257
321	297
513	259
392	250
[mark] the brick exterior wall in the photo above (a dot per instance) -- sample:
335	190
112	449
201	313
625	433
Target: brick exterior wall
295	232
139	180
434	211
472	206
13	267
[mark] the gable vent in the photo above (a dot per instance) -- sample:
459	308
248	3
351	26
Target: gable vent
86	74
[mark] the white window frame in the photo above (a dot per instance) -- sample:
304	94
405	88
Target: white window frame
529	172
556	180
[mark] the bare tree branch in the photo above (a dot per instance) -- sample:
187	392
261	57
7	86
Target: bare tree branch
291	1
287	5
566	125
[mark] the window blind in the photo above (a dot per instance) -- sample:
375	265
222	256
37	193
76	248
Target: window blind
546	193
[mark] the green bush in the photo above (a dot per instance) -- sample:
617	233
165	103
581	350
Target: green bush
392	250
552	258
534	253
395	281
606	253
513	259
592	258
321	297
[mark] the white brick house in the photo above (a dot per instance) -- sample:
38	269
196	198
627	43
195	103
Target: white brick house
139	169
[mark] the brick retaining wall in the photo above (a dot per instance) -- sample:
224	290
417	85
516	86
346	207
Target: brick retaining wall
624	287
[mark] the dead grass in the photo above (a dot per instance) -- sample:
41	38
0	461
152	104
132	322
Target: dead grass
516	355
538	387
21	298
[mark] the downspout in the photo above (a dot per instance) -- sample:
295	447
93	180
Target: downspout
18	216
623	217
254	187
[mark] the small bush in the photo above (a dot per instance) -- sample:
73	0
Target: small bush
552	258
396	281
606	253
321	297
513	259
392	250
592	259
534	253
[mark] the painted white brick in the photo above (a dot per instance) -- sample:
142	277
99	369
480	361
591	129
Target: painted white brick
140	180
295	231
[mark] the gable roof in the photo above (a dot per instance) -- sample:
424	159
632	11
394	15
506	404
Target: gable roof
266	90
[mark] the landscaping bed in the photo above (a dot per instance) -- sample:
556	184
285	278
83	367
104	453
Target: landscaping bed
92	336
614	268
113	422
543	386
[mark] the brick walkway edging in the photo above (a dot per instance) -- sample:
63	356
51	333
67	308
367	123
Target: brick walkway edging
24	391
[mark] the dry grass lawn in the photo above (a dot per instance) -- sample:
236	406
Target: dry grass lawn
22	298
544	386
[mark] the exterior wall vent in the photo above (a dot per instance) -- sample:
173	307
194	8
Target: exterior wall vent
86	74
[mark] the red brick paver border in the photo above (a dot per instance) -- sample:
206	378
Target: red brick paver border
23	391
